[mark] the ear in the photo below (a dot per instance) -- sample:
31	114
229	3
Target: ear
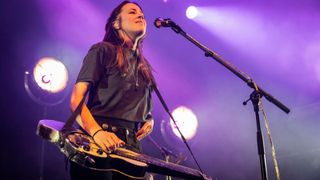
116	24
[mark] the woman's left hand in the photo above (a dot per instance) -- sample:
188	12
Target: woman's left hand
145	130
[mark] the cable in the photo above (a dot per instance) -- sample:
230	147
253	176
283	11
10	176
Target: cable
174	121
273	151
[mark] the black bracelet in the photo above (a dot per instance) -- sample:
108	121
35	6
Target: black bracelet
96	133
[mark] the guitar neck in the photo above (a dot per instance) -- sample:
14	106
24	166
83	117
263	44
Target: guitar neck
160	166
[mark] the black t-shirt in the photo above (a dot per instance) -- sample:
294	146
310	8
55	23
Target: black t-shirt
113	94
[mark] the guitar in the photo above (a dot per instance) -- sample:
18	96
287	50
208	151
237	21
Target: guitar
81	149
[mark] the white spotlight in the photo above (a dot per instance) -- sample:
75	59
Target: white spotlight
50	74
186	121
191	12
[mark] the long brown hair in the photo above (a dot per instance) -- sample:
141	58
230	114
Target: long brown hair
122	58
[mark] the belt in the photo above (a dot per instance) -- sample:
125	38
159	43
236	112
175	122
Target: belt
119	126
117	129
117	123
125	130
124	133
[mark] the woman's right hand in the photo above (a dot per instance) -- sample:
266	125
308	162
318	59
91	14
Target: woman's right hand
108	141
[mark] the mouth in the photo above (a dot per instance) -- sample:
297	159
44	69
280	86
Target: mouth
139	22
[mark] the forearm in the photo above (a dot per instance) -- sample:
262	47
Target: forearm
85	120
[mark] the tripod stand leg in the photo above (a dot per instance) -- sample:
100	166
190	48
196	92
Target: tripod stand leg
41	160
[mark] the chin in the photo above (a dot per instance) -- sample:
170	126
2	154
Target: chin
140	33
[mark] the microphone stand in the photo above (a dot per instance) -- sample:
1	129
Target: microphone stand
254	97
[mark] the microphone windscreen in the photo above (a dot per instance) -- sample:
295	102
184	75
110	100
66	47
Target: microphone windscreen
157	22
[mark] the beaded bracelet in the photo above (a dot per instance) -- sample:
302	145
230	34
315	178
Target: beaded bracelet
96	133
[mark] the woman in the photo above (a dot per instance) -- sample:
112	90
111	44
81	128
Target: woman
119	80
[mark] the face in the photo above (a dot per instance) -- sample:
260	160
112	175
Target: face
131	21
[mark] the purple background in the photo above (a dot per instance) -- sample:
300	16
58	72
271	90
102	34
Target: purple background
277	43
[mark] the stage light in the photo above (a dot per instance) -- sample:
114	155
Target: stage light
50	75
186	120
191	12
46	84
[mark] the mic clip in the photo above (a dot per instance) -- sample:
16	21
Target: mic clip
160	22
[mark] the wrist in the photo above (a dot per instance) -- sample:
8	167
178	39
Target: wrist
96	132
91	130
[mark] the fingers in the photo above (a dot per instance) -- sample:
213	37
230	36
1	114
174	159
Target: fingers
116	141
108	141
113	142
142	135
145	130
141	131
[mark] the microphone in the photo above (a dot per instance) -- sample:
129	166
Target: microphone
160	22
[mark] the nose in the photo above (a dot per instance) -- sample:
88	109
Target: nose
140	16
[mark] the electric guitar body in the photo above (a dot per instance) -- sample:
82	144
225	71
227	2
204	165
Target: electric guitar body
81	149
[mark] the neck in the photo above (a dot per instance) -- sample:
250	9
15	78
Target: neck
131	42
135	45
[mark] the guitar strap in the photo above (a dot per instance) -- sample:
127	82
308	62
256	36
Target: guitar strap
68	125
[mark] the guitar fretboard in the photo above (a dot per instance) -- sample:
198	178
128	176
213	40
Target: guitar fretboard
156	162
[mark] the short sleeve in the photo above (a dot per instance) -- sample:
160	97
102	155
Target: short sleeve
93	65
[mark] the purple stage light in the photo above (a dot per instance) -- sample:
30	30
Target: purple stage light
191	12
